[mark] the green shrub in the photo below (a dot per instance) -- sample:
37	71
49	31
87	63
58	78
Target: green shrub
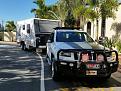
118	46
0	38
110	42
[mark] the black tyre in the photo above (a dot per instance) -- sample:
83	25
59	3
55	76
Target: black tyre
48	60
104	79
55	72
107	77
23	46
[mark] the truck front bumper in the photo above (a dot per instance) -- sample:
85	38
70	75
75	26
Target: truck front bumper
86	69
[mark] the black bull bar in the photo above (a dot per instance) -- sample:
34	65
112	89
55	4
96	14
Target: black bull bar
114	64
89	50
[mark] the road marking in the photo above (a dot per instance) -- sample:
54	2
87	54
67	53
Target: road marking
42	86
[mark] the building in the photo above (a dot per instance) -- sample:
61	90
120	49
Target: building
112	25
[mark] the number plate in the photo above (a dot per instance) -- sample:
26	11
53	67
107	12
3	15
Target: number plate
91	72
93	66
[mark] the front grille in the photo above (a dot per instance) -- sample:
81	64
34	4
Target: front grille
92	55
76	55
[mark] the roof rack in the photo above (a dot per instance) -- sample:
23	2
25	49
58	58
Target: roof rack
67	28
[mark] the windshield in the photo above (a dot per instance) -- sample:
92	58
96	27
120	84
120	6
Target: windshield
73	37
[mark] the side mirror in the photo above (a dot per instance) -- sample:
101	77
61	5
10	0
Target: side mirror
101	40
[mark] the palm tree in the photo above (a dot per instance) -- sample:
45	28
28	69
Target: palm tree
83	10
42	10
94	13
107	9
96	9
10	26
62	10
68	12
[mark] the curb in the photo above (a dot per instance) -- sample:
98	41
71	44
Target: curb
8	43
119	68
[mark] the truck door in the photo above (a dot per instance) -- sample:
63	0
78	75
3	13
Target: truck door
49	44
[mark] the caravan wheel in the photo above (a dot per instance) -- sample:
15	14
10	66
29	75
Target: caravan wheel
23	46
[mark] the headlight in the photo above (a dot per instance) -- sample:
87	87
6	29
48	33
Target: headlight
67	54
111	65
100	58
71	64
104	66
109	59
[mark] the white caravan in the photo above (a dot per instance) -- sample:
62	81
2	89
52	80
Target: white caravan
33	33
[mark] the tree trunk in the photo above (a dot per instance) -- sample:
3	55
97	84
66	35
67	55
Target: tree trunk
97	24
62	23
103	26
82	22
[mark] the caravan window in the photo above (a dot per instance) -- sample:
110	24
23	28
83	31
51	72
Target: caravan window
37	26
23	27
28	28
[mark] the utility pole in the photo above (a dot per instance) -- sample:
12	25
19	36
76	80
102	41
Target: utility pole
1	25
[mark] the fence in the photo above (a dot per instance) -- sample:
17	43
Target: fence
1	36
8	36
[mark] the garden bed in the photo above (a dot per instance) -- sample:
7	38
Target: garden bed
119	57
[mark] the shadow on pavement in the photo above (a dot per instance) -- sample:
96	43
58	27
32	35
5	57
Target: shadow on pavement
19	70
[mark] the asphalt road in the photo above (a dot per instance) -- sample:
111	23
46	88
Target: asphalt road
19	70
23	71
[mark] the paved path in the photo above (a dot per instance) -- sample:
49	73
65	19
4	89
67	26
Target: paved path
8	43
19	70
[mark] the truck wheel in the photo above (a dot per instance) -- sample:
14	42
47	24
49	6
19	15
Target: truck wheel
23	46
48	60
55	72
107	77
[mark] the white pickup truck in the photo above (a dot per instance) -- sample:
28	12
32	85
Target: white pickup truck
74	51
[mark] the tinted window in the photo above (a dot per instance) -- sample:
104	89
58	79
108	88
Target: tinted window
73	37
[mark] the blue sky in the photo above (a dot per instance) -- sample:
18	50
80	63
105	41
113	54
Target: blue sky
18	9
